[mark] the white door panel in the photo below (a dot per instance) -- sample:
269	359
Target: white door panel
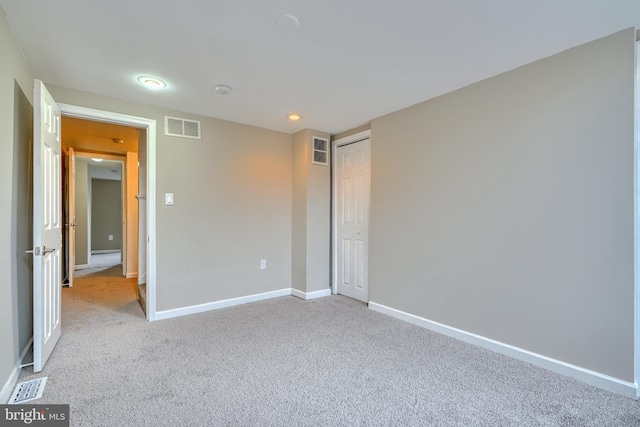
352	222
47	226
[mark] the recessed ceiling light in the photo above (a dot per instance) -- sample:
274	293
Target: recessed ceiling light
294	117
222	89
153	83
287	23
96	160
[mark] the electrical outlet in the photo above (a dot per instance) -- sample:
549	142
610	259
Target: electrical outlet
110	236
263	264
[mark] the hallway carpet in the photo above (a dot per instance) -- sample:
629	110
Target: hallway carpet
289	362
101	262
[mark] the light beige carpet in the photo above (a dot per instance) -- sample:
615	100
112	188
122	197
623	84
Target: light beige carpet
289	362
99	263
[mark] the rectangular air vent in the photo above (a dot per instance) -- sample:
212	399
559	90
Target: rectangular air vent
174	126
320	151
28	391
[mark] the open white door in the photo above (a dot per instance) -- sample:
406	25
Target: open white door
71	216
47	227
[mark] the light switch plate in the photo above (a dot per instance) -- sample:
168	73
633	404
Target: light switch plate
168	199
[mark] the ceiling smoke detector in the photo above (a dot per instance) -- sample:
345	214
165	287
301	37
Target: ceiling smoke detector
287	23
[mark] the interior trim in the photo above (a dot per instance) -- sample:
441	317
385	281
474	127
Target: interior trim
215	305
150	125
636	224
310	295
8	387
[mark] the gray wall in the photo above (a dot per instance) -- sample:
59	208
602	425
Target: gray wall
351	132
318	220
16	94
106	214
506	208
311	228
22	212
232	207
109	170
82	224
299	205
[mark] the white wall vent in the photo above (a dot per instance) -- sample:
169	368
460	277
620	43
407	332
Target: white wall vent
174	126
320	152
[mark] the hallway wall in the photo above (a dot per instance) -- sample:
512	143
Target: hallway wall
106	215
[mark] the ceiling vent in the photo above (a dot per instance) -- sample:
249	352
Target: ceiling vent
184	128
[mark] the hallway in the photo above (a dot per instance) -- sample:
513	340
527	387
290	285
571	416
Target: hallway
100	263
98	291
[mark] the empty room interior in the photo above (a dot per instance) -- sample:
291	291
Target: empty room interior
466	170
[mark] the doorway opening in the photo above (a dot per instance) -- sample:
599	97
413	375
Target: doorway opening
138	189
101	209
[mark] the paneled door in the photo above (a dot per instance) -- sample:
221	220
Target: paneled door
352	180
47	226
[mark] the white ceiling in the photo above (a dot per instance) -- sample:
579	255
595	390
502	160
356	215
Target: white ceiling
348	62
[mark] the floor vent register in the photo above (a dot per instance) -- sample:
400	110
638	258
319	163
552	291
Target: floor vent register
28	390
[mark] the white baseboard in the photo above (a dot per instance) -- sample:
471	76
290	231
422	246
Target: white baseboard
200	308
310	295
597	379
7	388
82	266
9	385
132	275
142	279
105	251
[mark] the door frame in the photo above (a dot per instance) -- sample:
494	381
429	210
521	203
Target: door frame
150	126
69	198
351	139
115	158
636	225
